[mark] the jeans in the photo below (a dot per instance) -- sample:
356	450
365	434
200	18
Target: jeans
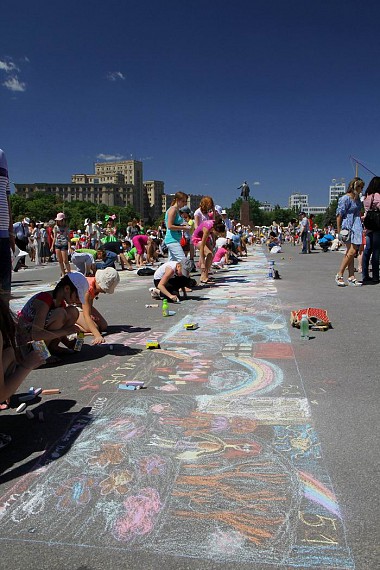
304	242
372	247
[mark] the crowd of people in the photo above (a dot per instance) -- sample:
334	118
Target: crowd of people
186	242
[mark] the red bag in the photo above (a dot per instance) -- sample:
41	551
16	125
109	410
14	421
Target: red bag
183	241
314	316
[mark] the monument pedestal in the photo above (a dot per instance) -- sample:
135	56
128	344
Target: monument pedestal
244	213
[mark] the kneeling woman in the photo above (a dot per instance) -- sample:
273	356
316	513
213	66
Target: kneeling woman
51	315
90	320
170	277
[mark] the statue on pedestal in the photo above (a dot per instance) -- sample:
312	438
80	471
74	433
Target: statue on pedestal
244	190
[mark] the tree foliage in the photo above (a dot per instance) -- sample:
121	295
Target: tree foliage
43	207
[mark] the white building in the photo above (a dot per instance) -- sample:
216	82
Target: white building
299	201
337	189
266	207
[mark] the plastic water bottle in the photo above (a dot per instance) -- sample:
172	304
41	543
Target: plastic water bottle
304	327
271	269
79	341
165	308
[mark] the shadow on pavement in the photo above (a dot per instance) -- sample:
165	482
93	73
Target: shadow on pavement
30	436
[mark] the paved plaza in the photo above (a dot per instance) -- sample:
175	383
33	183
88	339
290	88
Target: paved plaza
249	447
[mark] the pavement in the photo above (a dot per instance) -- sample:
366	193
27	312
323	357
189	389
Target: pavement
248	448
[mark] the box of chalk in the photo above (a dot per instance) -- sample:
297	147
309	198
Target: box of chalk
191	326
151	344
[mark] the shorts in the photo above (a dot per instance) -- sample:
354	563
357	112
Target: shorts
62	247
175	251
82	261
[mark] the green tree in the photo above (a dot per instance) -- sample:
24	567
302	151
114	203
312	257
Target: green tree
255	214
329	217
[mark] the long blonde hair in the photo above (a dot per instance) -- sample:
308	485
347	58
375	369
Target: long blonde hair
353	186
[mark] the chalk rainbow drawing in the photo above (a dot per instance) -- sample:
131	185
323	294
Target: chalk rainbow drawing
319	493
264	376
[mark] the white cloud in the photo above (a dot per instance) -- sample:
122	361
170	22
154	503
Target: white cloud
14	84
256	183
8	66
102	156
115	75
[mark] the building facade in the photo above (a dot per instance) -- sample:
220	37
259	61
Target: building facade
266	207
336	189
124	172
108	194
153	193
298	201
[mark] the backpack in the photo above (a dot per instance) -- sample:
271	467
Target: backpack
145	271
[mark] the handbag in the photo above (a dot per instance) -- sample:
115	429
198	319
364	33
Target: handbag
183	241
314	315
372	218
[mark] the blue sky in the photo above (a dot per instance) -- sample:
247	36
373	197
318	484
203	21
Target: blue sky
207	93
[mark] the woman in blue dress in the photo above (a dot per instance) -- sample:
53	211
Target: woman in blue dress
348	218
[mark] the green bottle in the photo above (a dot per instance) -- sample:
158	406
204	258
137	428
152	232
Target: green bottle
165	308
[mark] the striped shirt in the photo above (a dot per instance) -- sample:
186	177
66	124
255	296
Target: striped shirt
4	194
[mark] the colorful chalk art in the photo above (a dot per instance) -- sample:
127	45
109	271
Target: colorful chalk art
218	459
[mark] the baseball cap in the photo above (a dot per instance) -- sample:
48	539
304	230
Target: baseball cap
219	209
186	265
80	283
185	210
107	279
224	212
60	216
26	220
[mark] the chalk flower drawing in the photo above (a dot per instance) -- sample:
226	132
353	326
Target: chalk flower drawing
152	465
110	454
140	513
74	492
117	482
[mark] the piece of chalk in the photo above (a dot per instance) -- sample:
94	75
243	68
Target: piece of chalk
29	414
51	391
31	389
21	408
37	391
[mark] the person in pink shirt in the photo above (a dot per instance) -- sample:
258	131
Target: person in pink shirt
372	247
143	243
203	240
221	256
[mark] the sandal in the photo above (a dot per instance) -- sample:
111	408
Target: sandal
339	280
354	282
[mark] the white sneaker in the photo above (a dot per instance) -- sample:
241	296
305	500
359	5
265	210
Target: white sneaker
155	293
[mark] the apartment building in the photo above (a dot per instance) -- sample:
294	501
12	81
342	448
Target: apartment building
108	194
336	189
153	192
123	172
298	201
